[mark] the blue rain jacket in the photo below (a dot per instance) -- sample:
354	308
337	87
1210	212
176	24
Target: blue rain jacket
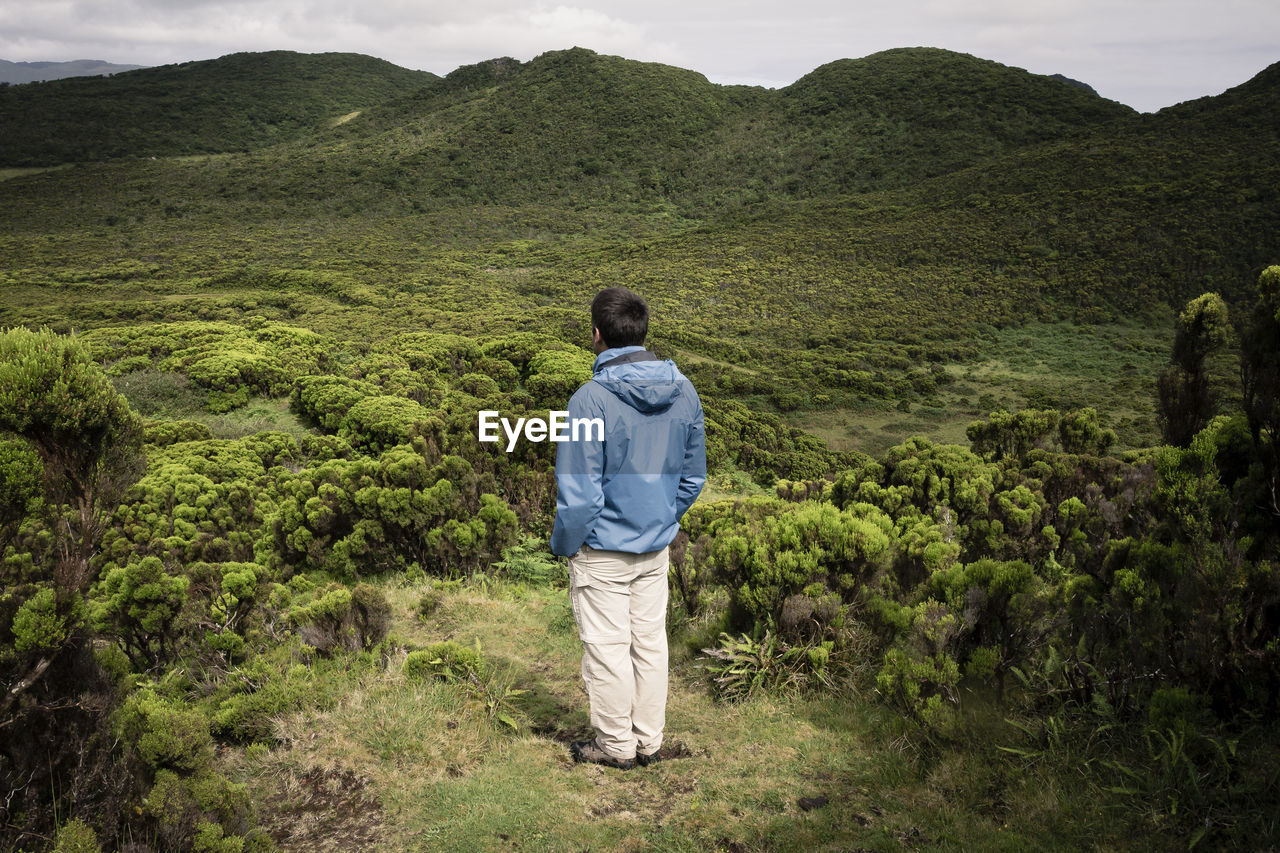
628	492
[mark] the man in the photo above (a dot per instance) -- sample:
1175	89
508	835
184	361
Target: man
618	507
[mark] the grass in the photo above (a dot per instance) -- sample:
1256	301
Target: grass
399	765
10	172
260	414
165	394
1111	367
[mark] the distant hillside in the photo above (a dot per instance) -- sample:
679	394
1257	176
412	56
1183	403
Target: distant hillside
236	103
33	72
896	117
937	170
573	121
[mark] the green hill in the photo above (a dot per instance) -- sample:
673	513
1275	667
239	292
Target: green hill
895	117
574	122
236	103
979	195
568	125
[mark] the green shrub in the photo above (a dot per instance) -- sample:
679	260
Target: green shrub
141	604
448	660
164	733
336	618
75	836
740	667
163	433
429	602
201	812
254	695
38	626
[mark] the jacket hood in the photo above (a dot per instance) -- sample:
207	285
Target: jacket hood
646	386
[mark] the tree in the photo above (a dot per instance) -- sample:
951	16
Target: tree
69	448
1260	377
1186	400
60	410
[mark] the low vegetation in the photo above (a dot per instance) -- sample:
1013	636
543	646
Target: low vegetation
987	555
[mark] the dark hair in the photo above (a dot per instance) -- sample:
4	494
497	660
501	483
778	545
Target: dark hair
621	316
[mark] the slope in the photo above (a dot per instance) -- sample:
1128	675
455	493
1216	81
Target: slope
239	102
574	123
34	72
893	118
1048	202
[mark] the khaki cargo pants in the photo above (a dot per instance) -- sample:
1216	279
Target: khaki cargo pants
620	604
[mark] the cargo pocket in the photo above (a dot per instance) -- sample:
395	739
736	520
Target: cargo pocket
600	608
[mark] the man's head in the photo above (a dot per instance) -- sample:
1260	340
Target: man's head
619	318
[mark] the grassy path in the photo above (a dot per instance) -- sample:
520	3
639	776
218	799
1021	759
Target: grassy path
401	765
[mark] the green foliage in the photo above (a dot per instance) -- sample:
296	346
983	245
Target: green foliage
792	566
255	694
1260	375
166	734
555	374
368	515
78	442
1186	402
75	836
448	660
530	563
742	667
1012	435
1080	433
20	485
140	604
201	812
37	624
229	361
164	433
56	398
336	618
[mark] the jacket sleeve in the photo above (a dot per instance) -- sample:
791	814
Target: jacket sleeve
693	474
579	482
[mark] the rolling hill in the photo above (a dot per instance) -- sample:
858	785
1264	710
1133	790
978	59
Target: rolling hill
915	198
239	102
35	72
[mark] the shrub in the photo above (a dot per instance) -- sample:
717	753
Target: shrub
741	667
140	604
75	836
338	618
448	660
201	813
165	734
163	433
256	694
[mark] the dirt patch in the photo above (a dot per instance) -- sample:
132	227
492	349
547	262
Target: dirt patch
676	749
322	810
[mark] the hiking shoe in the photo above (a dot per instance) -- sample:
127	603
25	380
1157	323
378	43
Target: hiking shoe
645	760
589	752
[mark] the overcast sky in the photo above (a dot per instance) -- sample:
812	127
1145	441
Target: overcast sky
1145	53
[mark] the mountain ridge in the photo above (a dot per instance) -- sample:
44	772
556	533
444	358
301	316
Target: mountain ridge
235	103
927	160
41	121
41	70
